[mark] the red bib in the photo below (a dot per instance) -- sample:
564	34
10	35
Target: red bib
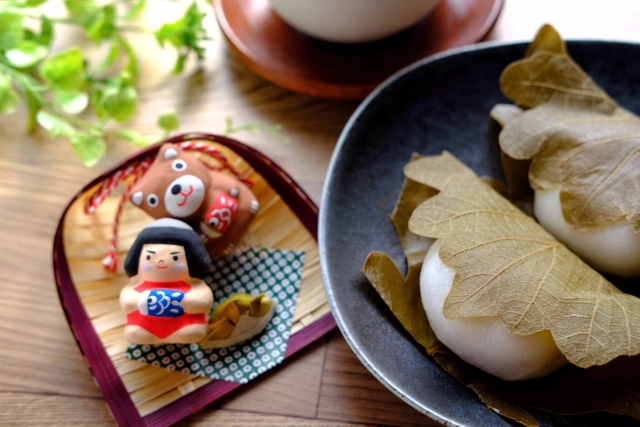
149	286
162	327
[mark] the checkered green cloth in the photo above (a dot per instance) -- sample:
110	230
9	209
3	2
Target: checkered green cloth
277	274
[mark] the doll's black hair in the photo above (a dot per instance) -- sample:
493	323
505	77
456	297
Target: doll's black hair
171	231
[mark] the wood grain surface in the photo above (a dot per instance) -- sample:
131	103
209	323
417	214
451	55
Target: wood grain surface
43	378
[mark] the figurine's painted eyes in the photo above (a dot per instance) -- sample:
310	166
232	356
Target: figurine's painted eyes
152	200
152	300
179	165
214	221
175	258
148	257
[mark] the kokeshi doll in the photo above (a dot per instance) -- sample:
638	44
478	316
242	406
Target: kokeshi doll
166	299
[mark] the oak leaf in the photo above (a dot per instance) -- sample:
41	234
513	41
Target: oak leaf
576	136
412	194
508	266
547	76
613	388
547	39
401	294
594	157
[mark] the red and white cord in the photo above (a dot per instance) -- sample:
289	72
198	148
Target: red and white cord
110	261
112	182
216	154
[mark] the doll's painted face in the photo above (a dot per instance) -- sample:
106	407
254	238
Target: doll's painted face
163	263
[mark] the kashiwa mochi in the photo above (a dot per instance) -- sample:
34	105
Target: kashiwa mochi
484	341
613	248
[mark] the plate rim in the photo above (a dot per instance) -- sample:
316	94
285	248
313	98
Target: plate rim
323	218
318	87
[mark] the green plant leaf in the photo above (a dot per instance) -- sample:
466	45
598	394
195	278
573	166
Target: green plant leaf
114	50
147	140
8	101
135	10
130	135
89	148
168	121
72	102
96	95
64	70
46	31
137	138
164	33
54	124
62	85
30	3
5	81
102	27
29	35
26	54
33	105
255	129
11	30
187	31
131	68
185	34
120	103
179	65
82	10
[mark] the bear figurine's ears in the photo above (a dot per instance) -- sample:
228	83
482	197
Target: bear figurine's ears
136	198
170	153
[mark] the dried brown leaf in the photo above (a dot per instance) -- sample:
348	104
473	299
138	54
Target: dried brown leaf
547	76
401	295
595	157
516	171
492	391
509	267
504	113
547	39
411	196
517	175
614	387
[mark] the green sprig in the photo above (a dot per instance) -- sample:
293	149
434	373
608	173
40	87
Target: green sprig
255	128
185	35
57	87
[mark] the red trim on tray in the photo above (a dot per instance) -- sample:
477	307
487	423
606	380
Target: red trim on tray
100	365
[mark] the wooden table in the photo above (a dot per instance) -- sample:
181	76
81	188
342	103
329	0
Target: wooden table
43	378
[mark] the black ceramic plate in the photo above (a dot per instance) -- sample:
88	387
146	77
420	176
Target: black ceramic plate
441	103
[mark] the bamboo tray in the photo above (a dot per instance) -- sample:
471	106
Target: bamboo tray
141	394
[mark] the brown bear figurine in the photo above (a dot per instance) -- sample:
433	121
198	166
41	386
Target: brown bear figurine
177	185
